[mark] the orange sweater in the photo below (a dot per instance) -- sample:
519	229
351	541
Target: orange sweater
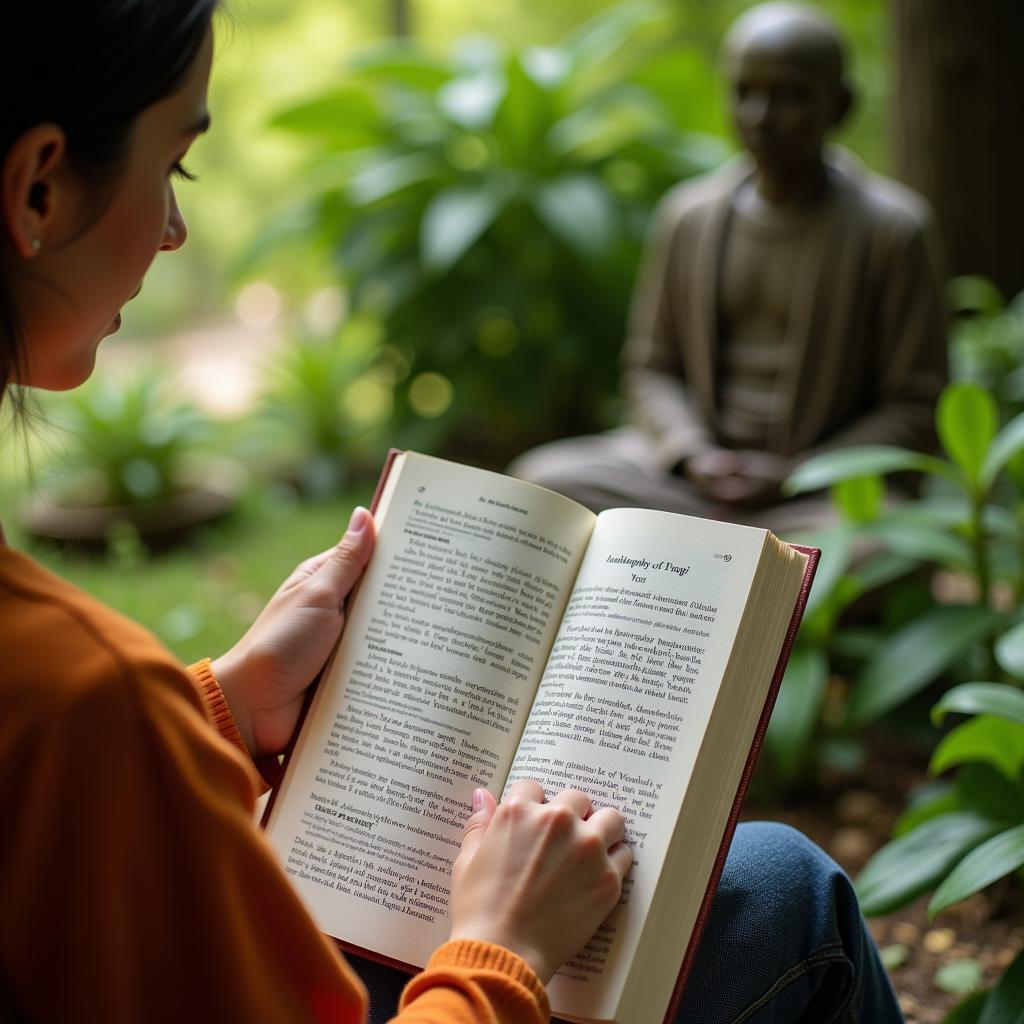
133	882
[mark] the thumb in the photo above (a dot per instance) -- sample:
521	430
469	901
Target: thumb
344	563
484	806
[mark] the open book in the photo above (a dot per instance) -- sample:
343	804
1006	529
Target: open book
503	632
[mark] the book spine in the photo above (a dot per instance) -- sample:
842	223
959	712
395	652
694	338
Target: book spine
813	554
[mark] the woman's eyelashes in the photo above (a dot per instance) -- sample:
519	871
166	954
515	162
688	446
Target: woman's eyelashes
181	171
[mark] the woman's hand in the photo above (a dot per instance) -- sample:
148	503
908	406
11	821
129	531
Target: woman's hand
538	878
265	675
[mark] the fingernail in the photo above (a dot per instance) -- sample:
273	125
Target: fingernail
360	517
478	799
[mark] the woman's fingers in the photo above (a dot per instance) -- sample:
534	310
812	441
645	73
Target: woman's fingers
610	824
484	806
578	801
535	881
607	821
527	789
621	856
336	575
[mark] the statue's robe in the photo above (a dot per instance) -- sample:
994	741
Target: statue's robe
866	341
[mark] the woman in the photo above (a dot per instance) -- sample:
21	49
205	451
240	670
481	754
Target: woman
133	881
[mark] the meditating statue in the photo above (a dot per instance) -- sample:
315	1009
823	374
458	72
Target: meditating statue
790	303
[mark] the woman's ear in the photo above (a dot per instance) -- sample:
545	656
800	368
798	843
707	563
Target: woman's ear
30	187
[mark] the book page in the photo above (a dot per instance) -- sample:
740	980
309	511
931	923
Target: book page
426	698
626	697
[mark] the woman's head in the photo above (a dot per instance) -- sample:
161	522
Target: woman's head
92	133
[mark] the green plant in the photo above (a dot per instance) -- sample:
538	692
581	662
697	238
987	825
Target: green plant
325	402
801	731
966	833
988	340
488	208
127	440
972	526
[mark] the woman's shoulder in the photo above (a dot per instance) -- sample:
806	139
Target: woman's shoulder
59	644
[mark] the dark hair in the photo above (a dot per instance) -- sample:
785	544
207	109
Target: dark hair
90	67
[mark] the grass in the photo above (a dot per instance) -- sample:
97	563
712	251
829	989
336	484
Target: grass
200	598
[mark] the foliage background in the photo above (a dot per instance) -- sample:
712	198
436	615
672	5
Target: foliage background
337	372
271	55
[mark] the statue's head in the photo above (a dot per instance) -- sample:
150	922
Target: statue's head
786	68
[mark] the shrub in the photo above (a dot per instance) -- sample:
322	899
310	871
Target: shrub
488	209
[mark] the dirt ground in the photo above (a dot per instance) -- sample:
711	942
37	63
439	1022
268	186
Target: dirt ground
851	817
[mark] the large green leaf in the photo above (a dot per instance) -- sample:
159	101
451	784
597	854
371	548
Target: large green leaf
987	791
523	118
797	709
859	498
1008	443
548	66
471	101
984	739
914	863
1009	651
599	131
967	419
915	656
998	699
578	209
882	568
598	40
939	797
1005	1003
968	1011
345	118
399	64
926	543
856	643
950	513
985	864
971	294
388	174
453	221
847	463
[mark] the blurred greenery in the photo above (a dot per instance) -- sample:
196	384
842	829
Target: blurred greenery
488	209
443	234
272	54
200	598
326	398
483	192
127	440
988	340
459	221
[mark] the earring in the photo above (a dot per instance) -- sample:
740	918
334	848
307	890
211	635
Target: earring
37	244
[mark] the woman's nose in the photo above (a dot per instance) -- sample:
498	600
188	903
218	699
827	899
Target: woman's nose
176	231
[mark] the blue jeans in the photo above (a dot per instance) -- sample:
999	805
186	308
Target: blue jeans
785	944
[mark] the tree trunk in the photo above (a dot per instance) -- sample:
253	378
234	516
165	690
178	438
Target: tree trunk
401	18
959	129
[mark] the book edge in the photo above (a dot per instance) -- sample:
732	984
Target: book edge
813	555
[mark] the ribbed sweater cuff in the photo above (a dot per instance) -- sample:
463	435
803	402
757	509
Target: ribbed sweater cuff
471	954
216	704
